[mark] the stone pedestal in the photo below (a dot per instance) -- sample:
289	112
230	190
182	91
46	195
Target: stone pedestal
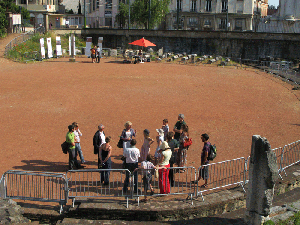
263	173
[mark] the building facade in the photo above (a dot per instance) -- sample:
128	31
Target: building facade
285	20
219	15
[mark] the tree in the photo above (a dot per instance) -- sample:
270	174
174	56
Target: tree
10	6
3	22
149	19
123	15
140	14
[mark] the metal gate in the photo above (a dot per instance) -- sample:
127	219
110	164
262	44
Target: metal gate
35	186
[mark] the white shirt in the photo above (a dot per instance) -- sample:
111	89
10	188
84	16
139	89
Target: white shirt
76	133
102	136
132	155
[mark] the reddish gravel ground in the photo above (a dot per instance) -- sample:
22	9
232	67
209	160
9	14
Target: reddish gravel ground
39	100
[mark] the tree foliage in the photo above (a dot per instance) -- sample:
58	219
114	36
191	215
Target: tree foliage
3	22
140	13
10	6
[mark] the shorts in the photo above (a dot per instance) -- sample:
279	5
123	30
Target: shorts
204	172
93	56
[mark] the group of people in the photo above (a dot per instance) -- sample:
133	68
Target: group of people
170	150
96	54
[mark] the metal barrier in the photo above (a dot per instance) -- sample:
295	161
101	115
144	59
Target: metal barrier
181	185
279	154
224	174
88	184
290	156
35	186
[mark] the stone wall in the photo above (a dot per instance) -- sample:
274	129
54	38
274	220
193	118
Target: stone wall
246	45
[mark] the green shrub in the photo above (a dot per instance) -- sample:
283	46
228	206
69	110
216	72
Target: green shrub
23	51
269	222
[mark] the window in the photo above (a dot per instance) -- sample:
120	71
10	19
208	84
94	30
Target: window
94	5
107	13
238	24
108	22
208	6
108	4
22	1
97	4
224	6
193	21
179	5
222	24
194	6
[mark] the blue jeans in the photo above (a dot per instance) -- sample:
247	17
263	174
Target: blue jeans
131	167
78	149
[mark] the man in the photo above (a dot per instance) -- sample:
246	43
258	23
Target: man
98	140
98	54
177	128
132	155
77	134
204	154
70	138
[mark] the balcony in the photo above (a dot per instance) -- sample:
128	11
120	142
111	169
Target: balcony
41	8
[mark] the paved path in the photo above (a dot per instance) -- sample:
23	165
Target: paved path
3	43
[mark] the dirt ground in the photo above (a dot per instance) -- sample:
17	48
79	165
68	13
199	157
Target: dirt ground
39	100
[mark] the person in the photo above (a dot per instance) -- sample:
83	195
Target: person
132	155
78	134
70	138
174	145
105	160
147	165
145	150
93	54
165	128
98	140
204	161
181	155
159	140
177	128
98	54
127	134
164	164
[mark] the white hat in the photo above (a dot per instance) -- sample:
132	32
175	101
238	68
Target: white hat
160	131
164	145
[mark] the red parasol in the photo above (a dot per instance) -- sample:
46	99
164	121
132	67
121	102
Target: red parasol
142	42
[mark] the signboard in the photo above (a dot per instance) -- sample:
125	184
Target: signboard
16	19
70	45
88	46
49	46
58	46
42	43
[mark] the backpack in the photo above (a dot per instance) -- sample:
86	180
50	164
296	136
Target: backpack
212	152
65	147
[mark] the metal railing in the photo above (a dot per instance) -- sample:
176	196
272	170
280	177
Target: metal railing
290	156
89	184
35	186
224	174
58	187
181	184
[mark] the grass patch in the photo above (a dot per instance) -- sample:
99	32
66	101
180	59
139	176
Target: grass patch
30	50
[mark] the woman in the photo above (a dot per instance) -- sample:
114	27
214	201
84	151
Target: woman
105	160
181	156
173	144
145	150
166	154
127	134
159	140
